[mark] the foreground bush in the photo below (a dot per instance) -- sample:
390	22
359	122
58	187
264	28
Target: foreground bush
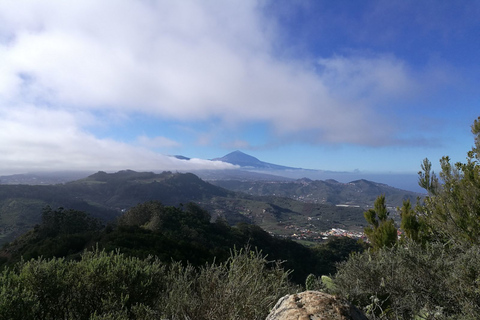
112	286
435	281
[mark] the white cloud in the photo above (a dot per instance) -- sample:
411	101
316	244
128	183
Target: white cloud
180	60
372	78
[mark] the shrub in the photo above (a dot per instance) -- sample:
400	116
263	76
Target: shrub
433	281
243	287
113	286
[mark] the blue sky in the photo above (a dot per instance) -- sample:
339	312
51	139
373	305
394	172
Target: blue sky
374	86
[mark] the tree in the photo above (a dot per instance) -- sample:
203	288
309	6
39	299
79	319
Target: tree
66	221
451	211
412	225
382	231
433	273
427	178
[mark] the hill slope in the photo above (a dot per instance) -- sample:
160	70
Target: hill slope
107	195
171	234
356	193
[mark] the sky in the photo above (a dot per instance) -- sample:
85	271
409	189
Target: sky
364	86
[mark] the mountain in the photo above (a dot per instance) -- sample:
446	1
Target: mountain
360	193
103	195
252	165
250	168
244	160
107	195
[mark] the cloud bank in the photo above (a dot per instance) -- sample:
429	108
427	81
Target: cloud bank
173	60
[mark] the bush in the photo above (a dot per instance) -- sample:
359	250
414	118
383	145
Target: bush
433	281
113	286
244	287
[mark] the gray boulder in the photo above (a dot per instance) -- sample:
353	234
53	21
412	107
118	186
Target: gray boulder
314	305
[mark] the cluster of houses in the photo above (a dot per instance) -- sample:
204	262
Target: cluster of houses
336	232
307	234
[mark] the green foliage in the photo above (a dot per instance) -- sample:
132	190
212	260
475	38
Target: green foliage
382	231
328	284
62	233
323	283
243	287
406	281
427	178
61	221
336	250
183	234
310	282
113	286
152	215
451	212
413	225
433	273
476	133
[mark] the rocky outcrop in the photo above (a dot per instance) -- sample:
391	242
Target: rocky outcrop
314	305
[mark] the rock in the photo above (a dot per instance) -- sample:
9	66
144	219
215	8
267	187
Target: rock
314	305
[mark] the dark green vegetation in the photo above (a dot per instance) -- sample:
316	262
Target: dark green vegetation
356	193
169	233
381	231
432	272
155	262
114	286
21	207
106	196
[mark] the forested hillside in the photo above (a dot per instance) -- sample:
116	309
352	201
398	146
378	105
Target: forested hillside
182	233
107	195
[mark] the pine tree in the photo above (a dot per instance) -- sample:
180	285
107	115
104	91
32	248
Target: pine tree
382	231
451	211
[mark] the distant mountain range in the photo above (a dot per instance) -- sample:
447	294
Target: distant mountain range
259	170
250	169
269	203
361	193
107	195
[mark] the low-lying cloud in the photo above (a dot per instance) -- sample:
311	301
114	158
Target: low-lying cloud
49	140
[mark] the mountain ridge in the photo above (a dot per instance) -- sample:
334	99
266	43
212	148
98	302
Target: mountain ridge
359	192
107	195
249	168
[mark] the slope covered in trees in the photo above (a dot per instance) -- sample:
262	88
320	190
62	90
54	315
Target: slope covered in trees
107	195
183	233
